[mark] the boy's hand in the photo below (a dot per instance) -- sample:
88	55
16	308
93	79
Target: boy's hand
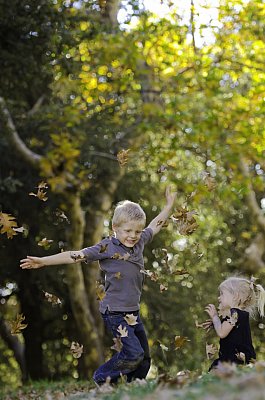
31	263
211	310
170	196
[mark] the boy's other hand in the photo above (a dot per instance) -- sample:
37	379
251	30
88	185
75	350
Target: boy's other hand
211	310
31	262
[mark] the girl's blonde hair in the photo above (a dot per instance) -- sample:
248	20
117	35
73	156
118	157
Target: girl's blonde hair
127	211
250	297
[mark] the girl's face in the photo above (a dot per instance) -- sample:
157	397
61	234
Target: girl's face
226	299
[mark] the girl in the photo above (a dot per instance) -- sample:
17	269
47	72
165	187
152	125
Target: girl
239	298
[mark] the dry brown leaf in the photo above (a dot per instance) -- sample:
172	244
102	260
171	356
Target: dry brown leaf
180	341
76	349
163	347
122	331
77	257
185	221
46	243
17	325
8	225
118	256
131	319
100	291
210	182
118	275
123	157
103	248
41	195
211	350
51	298
162	287
241	356
117	344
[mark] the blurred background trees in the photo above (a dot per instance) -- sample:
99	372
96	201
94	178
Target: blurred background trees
82	82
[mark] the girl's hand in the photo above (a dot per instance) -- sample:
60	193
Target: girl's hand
170	196
31	262
211	310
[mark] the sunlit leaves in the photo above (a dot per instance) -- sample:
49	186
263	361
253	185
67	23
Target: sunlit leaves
180	341
185	221
76	349
41	195
17	326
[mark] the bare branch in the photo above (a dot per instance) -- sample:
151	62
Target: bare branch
19	146
36	106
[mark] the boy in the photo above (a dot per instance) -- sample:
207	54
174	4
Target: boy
121	259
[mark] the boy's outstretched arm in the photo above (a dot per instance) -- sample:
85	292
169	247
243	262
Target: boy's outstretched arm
66	257
157	223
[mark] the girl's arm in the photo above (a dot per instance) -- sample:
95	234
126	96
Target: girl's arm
157	223
222	328
66	257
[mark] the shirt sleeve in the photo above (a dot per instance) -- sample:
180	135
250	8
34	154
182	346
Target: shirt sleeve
97	252
147	235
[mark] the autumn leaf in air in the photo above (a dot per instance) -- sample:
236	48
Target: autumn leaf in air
117	344
209	182
103	248
185	221
61	216
76	257
123	157
17	325
122	331
180	272
8	225
162	287
163	347
152	275
51	298
241	356
162	222
211	350
76	349
131	319
45	243
41	195
100	291
180	341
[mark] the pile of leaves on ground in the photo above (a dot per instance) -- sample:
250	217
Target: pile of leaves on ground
228	382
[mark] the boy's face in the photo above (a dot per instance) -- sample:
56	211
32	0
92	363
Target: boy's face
128	233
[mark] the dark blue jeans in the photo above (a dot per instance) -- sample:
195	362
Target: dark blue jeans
134	358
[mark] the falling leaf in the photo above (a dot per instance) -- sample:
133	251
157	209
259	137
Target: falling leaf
76	349
118	256
209	182
185	221
100	291
163	347
162	222
8	225
211	350
103	248
21	229
76	257
180	341
118	275
52	298
61	216
131	319
241	356
152	275
123	157
161	169
180	272
40	195
117	344
122	331
162	288
46	243
233	319
42	185
17	326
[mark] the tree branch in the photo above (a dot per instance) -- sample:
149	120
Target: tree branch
19	146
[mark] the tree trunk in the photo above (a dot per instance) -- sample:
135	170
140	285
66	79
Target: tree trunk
81	307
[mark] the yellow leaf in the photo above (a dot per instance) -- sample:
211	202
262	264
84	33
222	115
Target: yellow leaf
131	319
17	326
8	224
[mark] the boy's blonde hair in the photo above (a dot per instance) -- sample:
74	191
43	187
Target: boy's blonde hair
248	295
127	211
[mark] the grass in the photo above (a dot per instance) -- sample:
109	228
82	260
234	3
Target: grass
230	383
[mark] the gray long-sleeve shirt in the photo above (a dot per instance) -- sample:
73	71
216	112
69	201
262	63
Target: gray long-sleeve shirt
122	266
